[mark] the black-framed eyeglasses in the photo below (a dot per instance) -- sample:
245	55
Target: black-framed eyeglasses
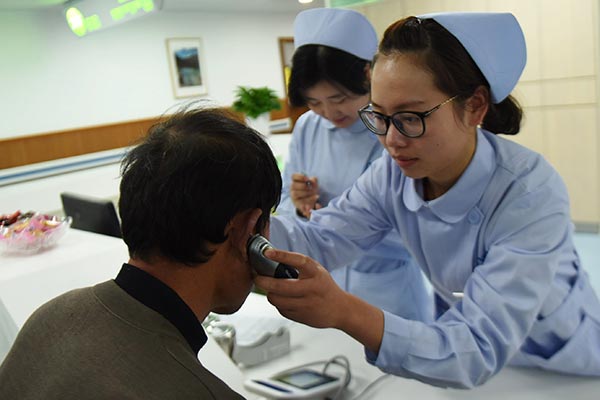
409	123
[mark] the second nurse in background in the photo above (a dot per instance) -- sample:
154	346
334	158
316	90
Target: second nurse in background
331	148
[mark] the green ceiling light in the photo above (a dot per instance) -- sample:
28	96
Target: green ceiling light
131	8
347	3
75	20
81	25
87	16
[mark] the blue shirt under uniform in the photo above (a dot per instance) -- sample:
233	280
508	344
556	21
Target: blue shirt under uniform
337	157
497	248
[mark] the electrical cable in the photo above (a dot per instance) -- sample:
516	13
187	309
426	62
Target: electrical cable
347	377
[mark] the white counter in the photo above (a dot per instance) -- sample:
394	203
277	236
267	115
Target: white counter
79	259
309	344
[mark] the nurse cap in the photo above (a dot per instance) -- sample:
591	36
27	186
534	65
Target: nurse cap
346	30
495	42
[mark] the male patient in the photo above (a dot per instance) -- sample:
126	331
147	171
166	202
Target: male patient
191	195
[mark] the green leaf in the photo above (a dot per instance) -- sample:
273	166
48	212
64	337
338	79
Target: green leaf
255	101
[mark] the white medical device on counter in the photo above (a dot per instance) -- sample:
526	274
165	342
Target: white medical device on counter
250	337
298	384
302	382
266	347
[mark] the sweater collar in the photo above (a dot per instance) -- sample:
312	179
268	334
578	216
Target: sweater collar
159	297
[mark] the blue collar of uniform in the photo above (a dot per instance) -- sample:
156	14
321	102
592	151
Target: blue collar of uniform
466	192
357	127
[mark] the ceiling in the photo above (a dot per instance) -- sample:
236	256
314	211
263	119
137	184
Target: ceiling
270	6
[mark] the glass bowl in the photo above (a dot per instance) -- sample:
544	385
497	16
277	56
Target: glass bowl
33	233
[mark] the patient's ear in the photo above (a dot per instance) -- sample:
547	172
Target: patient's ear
242	226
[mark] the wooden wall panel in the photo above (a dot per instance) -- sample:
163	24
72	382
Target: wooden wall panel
25	150
32	149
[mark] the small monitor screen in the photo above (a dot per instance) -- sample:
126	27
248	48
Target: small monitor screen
304	379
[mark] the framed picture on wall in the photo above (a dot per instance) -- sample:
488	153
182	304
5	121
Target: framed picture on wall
286	51
186	65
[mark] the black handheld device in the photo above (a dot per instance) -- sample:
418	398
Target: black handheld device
257	245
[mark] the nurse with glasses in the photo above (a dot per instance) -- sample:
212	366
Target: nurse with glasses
487	220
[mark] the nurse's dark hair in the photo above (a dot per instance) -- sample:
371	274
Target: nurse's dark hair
454	71
314	63
188	178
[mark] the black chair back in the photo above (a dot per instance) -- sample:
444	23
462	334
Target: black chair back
91	214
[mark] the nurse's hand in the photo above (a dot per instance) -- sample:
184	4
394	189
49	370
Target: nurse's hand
315	299
304	192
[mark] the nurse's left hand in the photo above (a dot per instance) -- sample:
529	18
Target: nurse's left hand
304	193
313	299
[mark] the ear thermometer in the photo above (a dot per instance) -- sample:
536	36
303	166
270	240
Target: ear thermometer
265	266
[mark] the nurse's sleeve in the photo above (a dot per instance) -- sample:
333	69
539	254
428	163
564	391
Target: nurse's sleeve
503	297
343	231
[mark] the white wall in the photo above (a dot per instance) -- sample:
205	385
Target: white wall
52	80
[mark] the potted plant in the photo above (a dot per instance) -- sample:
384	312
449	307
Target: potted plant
256	103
